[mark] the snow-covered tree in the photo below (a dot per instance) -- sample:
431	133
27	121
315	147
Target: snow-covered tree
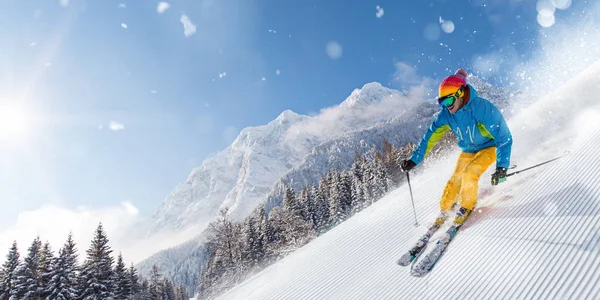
340	200
358	194
134	281
96	280
27	281
368	179
321	205
8	273
291	203
379	182
168	292
308	200
63	278
122	283
155	287
45	270
253	248
180	293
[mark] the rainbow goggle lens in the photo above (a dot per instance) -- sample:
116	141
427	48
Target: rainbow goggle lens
449	100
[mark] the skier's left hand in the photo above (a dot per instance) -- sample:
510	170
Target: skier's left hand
407	165
499	176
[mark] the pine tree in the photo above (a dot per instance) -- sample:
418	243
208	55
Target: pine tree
134	281
346	192
45	271
321	209
263	234
168	291
368	180
63	279
144	293
358	195
379	180
26	284
96	280
8	273
308	200
338	202
252	247
291	203
180	293
121	279
155	287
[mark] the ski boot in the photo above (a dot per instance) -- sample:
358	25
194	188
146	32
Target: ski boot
441	218
461	216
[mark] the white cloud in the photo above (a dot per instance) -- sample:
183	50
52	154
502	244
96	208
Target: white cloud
338	120
277	72
188	27
221	75
124	25
406	76
334	50
63	3
122	5
116	126
162	7
153	91
379	12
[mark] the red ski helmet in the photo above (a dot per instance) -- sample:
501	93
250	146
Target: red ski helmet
453	83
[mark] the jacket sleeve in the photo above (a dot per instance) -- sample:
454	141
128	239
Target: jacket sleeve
492	123
436	131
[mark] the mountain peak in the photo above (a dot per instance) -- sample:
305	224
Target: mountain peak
370	93
288	115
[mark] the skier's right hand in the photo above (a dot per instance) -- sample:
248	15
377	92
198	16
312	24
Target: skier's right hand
407	165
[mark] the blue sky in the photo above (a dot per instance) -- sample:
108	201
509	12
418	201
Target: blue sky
120	101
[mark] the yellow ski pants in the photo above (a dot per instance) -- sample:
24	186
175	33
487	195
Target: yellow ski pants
465	179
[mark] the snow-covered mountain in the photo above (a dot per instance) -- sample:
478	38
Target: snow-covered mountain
535	237
244	173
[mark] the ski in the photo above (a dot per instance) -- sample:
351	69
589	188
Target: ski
427	263
415	251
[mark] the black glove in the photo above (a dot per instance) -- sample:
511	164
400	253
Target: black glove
499	176
407	165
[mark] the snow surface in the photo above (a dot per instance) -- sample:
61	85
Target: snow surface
536	236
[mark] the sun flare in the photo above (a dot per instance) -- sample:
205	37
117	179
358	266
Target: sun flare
15	123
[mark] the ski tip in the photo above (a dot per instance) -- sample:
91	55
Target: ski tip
418	274
404	261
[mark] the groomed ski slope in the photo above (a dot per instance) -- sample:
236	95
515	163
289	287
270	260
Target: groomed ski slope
536	237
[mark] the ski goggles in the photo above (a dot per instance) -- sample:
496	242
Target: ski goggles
449	100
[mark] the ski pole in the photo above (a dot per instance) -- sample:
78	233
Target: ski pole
517	172
411	199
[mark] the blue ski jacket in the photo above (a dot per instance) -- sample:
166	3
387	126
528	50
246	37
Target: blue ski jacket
477	125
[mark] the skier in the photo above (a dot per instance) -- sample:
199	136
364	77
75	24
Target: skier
483	136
